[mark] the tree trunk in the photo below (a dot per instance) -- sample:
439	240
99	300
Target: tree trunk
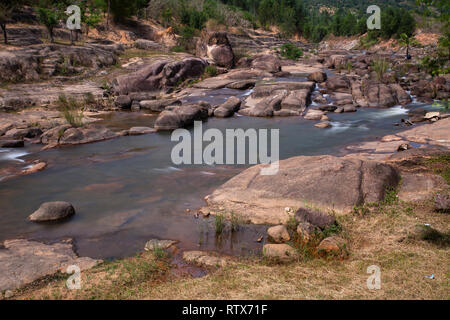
71	38
50	33
5	36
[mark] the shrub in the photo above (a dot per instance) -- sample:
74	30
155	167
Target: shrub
290	51
380	67
219	223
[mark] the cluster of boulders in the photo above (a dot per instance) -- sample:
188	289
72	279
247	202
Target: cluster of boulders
46	60
307	232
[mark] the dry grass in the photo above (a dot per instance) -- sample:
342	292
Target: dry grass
387	238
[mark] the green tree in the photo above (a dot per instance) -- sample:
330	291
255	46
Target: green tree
49	17
405	40
6	9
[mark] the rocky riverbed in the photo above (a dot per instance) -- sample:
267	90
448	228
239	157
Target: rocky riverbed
170	91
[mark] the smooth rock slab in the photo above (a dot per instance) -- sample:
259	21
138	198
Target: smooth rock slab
23	261
205	259
324	182
52	211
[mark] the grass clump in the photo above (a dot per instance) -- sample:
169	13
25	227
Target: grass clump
440	165
211	71
219	223
380	67
290	51
71	111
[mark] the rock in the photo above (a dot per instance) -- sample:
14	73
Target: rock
442	202
206	259
305	230
180	117
134	131
159	105
318	76
159	75
145	44
53	135
228	108
20	134
325	182
339	110
297	100
315	217
86	134
401	95
123	102
35	168
23	261
278	234
432	115
11	143
217	47
9	294
338	84
349	108
379	95
334	245
327	108
281	252
357	94
52	211
158	244
404	147
419	187
314	114
390	138
242	85
267	90
267	63
323	125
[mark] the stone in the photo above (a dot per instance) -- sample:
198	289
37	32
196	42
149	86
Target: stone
349	108
315	217
180	117
153	244
159	105
123	102
52	211
314	114
305	230
318	76
334	245
205	259
23	261
35	168
11	143
431	115
338	84
145	44
217	47
404	147
267	63
228	108
134	131
86	134
242	85
442	202
281	252
20	134
419	187
379	95
160	75
278	234
297	100
325	182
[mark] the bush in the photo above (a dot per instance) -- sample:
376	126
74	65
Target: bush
290	51
380	67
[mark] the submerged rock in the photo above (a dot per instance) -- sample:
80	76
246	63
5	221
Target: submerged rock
180	117
159	244
205	259
228	108
52	211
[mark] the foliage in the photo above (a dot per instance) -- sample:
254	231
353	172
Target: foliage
290	51
211	71
380	67
70	110
49	16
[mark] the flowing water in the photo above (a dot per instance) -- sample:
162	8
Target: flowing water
127	190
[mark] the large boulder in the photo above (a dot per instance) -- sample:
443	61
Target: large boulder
325	182
280	252
180	116
267	63
338	84
318	76
159	75
86	134
217	47
297	100
52	211
379	95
